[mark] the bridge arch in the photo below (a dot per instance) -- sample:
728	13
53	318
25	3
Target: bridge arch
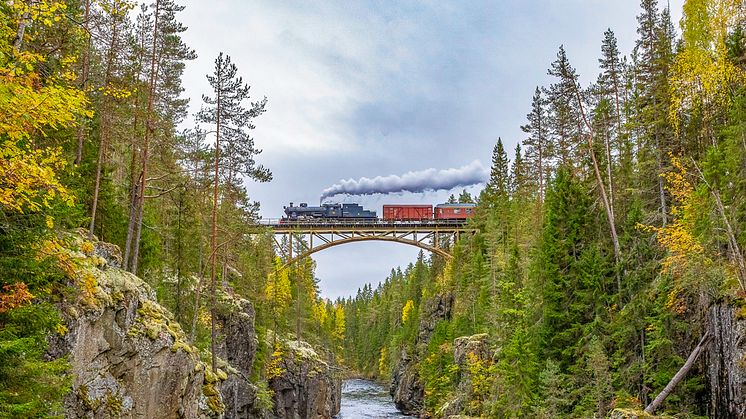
431	235
308	252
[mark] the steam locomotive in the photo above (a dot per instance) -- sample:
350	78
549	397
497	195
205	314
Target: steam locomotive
393	213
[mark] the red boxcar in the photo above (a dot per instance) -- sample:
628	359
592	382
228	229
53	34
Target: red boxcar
407	212
454	211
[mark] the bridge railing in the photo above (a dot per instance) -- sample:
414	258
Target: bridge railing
357	222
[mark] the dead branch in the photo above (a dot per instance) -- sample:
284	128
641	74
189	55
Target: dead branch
650	409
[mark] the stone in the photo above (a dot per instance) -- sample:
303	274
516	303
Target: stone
475	345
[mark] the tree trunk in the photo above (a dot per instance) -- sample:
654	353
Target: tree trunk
149	128
214	232
105	126
84	79
18	41
599	179
650	409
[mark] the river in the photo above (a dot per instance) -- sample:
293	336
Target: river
366	399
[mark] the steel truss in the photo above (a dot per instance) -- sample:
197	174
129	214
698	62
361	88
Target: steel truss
312	237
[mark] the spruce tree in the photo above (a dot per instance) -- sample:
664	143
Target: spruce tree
499	184
518	176
569	294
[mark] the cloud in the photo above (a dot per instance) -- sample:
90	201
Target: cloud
414	182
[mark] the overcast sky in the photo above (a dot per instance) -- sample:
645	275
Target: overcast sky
369	88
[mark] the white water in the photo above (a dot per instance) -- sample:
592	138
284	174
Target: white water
366	399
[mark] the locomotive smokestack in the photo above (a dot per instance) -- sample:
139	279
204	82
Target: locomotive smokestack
415	182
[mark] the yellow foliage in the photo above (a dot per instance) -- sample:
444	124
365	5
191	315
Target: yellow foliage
481	380
14	296
86	247
678	237
383	362
675	302
339	322
320	313
89	288
274	369
406	310
278	291
702	74
204	318
29	105
28	178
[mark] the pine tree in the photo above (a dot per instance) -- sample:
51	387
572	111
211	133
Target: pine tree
225	110
166	53
564	115
538	146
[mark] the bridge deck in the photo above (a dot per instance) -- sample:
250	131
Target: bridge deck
359	225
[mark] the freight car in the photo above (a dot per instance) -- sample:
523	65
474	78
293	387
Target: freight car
328	211
407	212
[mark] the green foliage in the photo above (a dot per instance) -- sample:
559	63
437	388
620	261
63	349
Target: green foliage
31	386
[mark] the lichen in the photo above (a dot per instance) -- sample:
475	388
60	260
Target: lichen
88	402
211	378
114	404
178	344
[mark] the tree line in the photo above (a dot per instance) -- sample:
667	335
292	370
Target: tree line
600	248
91	101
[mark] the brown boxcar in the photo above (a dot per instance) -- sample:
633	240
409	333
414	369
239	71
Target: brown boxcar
454	211
407	212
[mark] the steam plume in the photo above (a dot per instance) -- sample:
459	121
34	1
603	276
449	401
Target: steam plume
419	181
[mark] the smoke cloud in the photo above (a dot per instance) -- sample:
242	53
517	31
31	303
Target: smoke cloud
419	181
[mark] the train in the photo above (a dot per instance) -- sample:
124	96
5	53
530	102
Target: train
391	212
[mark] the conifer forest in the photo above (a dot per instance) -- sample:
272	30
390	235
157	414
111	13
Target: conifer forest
604	274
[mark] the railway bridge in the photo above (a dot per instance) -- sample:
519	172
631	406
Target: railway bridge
430	235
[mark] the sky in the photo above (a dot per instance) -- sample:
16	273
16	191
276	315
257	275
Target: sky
375	88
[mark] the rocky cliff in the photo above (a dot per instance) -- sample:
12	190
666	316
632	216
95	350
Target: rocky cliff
406	388
129	358
725	360
238	348
305	384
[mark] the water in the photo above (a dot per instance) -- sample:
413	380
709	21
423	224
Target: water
366	399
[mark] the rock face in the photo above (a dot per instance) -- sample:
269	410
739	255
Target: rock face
467	351
129	358
725	358
436	309
236	317
305	386
406	388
